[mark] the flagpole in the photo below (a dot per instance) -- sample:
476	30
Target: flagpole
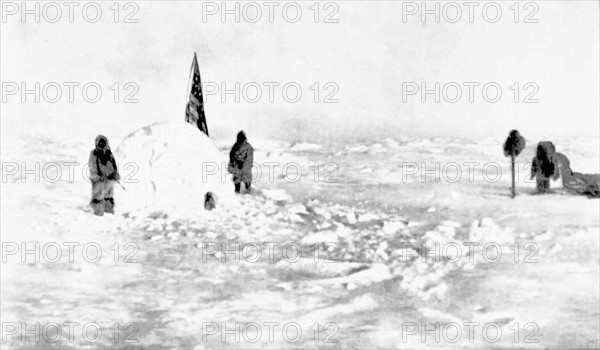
512	170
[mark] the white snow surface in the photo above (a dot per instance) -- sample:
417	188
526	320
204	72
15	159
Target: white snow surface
362	266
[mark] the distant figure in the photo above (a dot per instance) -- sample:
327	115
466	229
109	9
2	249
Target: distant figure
240	162
210	201
515	143
103	172
545	165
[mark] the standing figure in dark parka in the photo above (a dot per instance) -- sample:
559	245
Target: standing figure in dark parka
240	162
103	173
544	165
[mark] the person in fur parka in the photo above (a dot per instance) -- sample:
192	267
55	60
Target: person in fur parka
240	162
103	174
544	166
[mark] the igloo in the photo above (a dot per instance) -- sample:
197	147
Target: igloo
171	167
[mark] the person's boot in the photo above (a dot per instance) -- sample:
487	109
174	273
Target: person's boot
109	205
97	207
248	186
237	188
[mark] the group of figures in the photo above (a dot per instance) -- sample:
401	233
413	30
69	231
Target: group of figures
549	164
546	165
104	173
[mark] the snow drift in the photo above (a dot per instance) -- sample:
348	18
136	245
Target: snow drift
171	167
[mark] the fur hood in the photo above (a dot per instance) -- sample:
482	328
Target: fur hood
103	138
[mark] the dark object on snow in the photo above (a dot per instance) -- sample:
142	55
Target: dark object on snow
210	201
514	144
545	165
592	184
241	158
194	111
103	172
585	184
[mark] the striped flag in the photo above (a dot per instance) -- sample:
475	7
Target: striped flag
194	111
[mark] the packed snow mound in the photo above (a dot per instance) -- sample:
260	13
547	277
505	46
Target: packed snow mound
171	167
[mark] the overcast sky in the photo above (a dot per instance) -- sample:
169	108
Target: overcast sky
366	56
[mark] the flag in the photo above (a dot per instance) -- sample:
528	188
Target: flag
194	111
